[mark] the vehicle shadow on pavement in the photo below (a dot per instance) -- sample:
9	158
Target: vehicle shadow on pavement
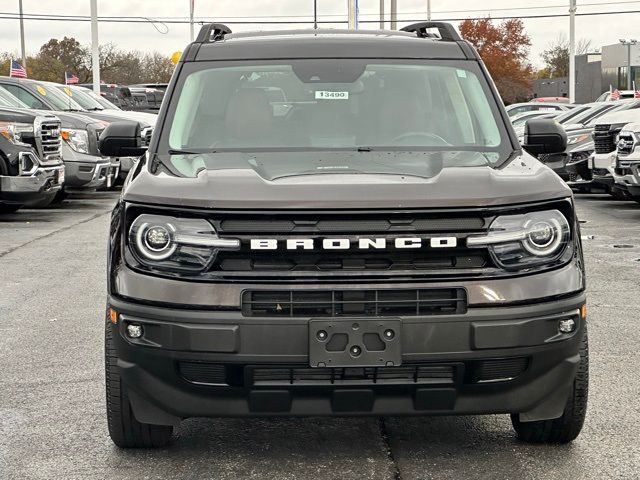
416	447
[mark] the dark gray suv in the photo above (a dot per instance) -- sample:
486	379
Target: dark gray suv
341	223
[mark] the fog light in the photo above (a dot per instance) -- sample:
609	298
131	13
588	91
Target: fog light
567	325
134	330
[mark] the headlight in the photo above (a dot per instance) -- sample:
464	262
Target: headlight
522	241
14	131
78	140
579	138
178	244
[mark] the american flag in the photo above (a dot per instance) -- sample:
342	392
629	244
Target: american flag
636	92
615	95
70	78
17	70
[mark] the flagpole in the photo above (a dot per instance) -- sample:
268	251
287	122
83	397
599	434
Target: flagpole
22	47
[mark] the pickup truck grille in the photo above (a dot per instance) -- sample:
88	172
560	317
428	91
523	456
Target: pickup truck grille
626	144
359	303
49	140
605	138
146	134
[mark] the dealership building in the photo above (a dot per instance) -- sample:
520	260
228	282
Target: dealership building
596	73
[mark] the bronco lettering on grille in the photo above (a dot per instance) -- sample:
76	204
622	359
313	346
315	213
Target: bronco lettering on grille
348	244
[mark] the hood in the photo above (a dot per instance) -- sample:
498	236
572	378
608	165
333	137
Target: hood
252	186
146	119
8	114
117	115
632	127
73	119
624	117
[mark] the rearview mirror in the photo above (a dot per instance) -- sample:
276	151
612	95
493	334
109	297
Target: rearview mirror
121	139
544	136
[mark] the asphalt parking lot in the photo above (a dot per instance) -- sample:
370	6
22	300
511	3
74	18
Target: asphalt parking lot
52	421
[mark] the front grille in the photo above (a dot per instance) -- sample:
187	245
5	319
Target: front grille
50	141
146	134
626	144
412	374
497	370
354	303
605	138
380	262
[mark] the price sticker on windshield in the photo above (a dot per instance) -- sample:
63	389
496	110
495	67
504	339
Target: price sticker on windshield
327	95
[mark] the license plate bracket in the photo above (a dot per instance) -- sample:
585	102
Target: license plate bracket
355	343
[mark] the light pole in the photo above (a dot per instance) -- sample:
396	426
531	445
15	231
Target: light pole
628	44
572	50
429	10
381	14
394	14
352	5
95	50
22	48
191	8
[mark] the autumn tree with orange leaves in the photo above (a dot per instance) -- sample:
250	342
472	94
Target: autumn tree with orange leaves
504	48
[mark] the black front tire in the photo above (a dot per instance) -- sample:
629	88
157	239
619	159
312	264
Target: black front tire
566	428
5	208
125	431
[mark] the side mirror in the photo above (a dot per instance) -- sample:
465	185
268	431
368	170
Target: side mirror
121	139
544	136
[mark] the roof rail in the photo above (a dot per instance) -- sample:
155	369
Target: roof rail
446	30
212	32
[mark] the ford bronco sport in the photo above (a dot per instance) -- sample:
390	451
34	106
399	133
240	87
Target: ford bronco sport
373	242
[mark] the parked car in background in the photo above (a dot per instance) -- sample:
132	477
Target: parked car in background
626	172
522	118
117	94
551	99
156	86
88	100
153	96
94	103
85	168
605	135
571	165
518	108
31	168
623	94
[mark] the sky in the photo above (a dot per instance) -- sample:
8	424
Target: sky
601	30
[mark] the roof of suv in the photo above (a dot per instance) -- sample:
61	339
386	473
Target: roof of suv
325	43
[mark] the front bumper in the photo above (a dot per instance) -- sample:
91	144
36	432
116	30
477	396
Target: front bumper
87	174
630	180
233	348
22	189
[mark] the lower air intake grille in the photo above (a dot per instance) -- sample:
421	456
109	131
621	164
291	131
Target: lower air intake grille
356	303
204	373
500	369
423	374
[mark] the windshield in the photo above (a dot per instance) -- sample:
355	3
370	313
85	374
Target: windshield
58	99
9	100
83	99
333	104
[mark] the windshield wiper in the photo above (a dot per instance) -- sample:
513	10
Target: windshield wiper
187	152
95	109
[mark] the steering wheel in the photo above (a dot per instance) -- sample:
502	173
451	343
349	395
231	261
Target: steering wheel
406	137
